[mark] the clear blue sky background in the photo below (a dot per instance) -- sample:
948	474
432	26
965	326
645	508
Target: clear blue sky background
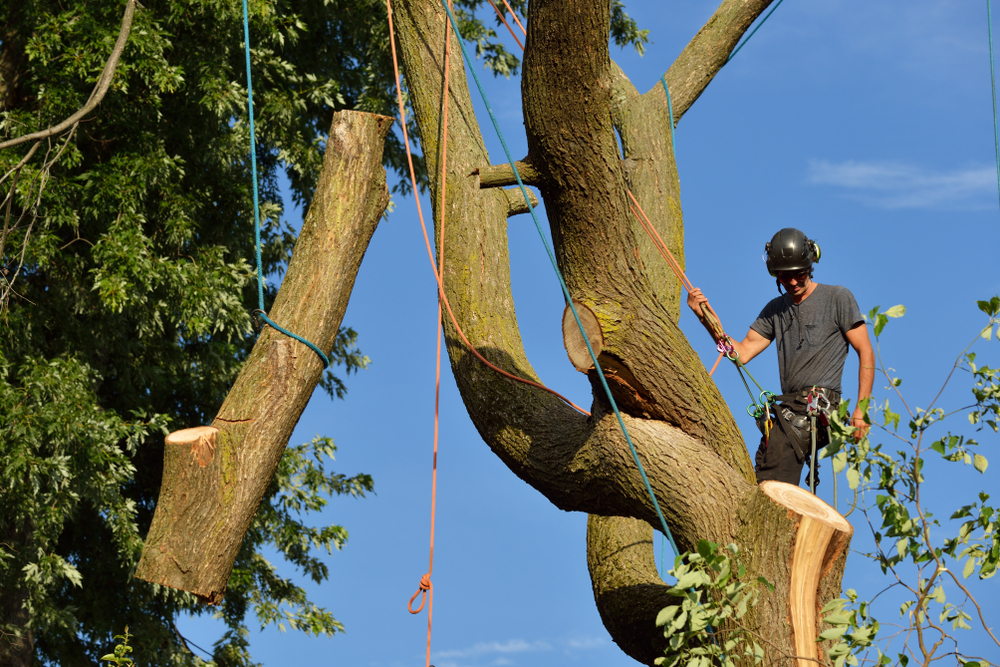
867	125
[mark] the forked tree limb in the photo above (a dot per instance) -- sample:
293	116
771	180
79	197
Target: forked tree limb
691	448
215	477
100	90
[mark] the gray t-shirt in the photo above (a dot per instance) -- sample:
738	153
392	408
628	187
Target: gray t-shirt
811	336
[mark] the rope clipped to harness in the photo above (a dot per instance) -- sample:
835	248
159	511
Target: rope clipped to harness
767	398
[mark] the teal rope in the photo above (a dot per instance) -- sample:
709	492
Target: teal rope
562	282
256	207
993	83
743	43
670	109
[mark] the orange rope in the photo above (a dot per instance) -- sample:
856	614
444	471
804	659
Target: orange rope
430	253
497	9
516	20
426	587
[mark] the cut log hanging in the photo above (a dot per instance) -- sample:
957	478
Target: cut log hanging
576	348
214	477
821	535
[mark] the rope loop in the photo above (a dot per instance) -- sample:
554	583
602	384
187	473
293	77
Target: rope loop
425	587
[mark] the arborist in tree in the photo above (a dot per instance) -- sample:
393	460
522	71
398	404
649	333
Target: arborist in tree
813	324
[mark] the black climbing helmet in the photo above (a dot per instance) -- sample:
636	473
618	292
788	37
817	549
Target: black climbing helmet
790	250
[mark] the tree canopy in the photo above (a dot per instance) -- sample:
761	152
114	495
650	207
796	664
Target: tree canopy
127	275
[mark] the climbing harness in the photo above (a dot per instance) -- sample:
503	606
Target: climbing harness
259	315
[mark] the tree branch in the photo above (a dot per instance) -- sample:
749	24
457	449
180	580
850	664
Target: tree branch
627	588
103	83
707	53
212	486
500	175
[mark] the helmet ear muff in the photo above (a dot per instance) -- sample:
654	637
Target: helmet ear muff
816	251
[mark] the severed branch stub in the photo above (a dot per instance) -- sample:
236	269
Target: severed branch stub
821	536
576	348
501	175
201	440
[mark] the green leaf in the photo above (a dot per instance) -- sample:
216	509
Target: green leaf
666	615
991	307
979	462
896	311
853	478
833	633
880	322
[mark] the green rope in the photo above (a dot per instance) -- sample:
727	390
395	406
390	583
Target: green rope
993	83
259	312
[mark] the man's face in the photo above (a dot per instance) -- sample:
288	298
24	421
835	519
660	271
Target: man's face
795	282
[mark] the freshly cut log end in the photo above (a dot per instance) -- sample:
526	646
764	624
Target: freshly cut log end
821	536
575	345
201	439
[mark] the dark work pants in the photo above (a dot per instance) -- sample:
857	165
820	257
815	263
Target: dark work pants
778	460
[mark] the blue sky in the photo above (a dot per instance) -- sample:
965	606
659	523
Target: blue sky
867	125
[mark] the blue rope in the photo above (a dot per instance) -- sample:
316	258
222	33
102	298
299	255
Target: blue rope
993	83
256	207
670	109
736	50
562	282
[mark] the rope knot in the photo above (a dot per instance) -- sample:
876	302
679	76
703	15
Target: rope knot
424	588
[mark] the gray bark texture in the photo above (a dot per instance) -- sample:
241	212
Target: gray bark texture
575	100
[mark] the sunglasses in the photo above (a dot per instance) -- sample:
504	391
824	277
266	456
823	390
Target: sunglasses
786	276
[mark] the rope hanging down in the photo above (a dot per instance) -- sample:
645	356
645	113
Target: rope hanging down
430	252
259	312
993	85
562	282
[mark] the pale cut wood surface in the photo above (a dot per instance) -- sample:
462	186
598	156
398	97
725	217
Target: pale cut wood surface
201	440
817	526
576	348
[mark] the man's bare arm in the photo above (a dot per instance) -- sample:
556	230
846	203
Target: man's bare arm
858	339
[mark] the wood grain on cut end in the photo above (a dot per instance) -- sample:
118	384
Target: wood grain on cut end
201	439
576	348
817	525
806	504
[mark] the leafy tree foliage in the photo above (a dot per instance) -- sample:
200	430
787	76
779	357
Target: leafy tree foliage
126	286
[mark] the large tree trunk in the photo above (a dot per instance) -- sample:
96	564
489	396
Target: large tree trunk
213	484
575	99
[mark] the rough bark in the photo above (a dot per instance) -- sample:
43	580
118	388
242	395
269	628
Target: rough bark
211	490
575	100
709	51
627	588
